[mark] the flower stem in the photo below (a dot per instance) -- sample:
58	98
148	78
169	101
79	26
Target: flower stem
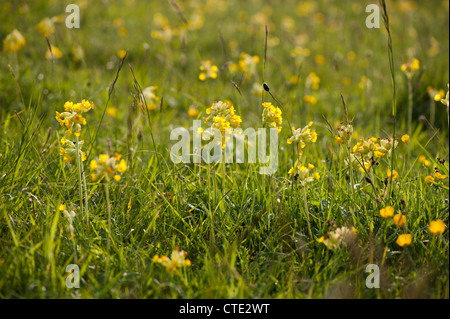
306	211
80	184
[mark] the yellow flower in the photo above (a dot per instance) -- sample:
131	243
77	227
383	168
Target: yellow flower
405	138
424	161
272	116
54	54
320	59
410	67
14	41
404	240
103	158
122	167
93	166
310	99
439	175
192	112
121	54
429	179
399	220
94	177
387	212
62	207
394	174
117	178
208	69
437	227
46	27
111	111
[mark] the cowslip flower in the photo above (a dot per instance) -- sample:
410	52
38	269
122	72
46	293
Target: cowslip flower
302	136
14	41
246	65
345	132
176	260
150	97
387	212
108	167
304	174
271	116
312	81
208	70
340	236
222	116
404	240
437	227
46	26
53	53
410	67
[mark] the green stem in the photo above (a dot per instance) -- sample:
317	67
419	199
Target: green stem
306	211
79	175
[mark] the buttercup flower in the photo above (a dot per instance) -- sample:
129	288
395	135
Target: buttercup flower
404	240
429	179
405	138
399	220
437	227
387	212
424	161
393	175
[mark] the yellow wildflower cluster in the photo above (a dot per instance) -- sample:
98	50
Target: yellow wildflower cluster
53	53
208	70
150	97
73	120
303	135
46	26
404	240
410	67
340	236
271	116
423	160
107	166
223	116
177	259
69	215
345	132
14	41
304	174
247	64
312	81
437	227
371	148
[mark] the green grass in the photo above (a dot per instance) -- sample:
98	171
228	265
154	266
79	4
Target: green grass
245	233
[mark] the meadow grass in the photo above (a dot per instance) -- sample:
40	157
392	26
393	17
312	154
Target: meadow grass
247	235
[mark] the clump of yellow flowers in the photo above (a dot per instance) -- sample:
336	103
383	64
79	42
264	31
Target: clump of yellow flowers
410	67
176	260
247	64
72	119
222	115
107	166
208	70
302	136
14	41
304	174
271	116
341	236
46	26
